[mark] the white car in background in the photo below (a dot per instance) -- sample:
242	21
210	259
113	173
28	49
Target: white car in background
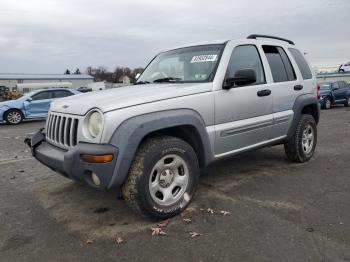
97	86
344	68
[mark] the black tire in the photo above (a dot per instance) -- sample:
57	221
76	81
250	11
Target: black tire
327	103
341	70
13	117
136	190
294	146
347	103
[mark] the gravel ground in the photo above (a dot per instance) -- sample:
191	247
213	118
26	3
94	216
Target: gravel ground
279	211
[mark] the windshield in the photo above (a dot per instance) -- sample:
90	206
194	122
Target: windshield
190	64
325	86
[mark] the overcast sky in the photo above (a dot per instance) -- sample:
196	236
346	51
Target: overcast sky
48	36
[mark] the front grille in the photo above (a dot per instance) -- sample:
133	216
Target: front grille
62	130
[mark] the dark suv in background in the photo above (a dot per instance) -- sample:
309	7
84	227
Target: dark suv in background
334	92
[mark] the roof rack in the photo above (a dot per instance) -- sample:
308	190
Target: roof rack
269	36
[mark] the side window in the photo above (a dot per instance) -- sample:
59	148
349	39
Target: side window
287	64
341	84
301	62
280	65
243	57
335	85
42	95
61	93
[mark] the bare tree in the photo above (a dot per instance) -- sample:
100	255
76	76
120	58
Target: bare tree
101	73
89	70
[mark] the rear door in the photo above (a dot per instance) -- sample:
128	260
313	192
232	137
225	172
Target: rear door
242	117
285	88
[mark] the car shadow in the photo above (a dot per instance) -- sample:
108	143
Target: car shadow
86	211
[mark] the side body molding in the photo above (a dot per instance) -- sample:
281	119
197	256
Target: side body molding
128	136
300	103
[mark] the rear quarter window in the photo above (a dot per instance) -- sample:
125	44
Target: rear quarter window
301	62
281	68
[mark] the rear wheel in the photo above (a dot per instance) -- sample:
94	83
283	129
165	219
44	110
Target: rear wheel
163	177
301	146
13	117
347	102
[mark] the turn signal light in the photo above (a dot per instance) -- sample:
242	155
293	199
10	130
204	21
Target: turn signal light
96	158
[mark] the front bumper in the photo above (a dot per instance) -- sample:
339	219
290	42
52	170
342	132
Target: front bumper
68	162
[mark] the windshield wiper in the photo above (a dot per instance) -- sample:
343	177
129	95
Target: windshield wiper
142	83
167	79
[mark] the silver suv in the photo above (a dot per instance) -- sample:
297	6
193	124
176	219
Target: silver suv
191	106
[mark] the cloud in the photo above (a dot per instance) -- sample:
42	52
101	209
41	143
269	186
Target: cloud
40	36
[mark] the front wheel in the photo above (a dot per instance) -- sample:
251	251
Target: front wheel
327	103
163	177
347	102
13	117
301	146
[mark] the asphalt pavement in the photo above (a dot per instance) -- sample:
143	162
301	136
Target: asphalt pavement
253	207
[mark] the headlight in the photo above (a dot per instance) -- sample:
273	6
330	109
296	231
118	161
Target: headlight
95	123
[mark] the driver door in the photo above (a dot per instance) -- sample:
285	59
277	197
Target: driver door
337	92
243	114
38	105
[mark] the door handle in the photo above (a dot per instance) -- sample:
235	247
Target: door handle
298	87
265	92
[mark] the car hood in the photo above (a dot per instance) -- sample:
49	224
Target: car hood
116	98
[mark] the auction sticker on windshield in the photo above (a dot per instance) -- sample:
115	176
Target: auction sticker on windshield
204	58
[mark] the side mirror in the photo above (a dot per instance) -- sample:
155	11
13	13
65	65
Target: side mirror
29	99
242	77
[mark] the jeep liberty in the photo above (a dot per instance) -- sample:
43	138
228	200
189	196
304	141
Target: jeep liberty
190	107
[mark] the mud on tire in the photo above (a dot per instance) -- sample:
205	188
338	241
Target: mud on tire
296	148
147	169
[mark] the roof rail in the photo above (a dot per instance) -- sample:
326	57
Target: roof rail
273	37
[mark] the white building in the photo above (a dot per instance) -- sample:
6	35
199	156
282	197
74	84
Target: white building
10	80
125	80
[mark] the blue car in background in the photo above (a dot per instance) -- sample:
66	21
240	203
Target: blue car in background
334	92
33	105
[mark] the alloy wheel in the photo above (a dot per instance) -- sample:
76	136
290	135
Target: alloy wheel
14	117
308	139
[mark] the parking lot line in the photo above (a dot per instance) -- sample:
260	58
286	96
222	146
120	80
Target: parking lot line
7	161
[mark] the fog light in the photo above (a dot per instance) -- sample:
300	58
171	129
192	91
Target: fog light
95	179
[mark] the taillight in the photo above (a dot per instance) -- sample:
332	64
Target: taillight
318	91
